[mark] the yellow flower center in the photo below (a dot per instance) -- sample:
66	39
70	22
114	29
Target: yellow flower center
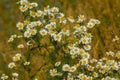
43	33
57	37
54	71
66	68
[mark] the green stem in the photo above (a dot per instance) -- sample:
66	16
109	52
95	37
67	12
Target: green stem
29	67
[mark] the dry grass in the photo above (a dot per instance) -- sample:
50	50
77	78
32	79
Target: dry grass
107	11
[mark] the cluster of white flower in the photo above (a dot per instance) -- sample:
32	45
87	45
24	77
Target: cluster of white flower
27	63
12	65
13	37
92	23
84	77
17	57
108	78
116	38
25	5
110	53
113	54
72	32
4	77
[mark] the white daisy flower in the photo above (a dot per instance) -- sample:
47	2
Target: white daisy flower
29	43
23	2
86	55
80	76
90	25
83	28
61	15
11	65
84	40
55	10
65	32
87	47
20	46
52	33
84	61
47	10
81	18
66	67
53	22
38	23
63	20
15	74
57	37
23	8
74	51
34	4
73	69
39	13
16	58
20	25
117	55
33	13
33	31
48	26
53	72
43	32
27	34
71	19
81	51
70	46
94	21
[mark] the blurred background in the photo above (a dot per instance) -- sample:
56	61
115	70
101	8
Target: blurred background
107	11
